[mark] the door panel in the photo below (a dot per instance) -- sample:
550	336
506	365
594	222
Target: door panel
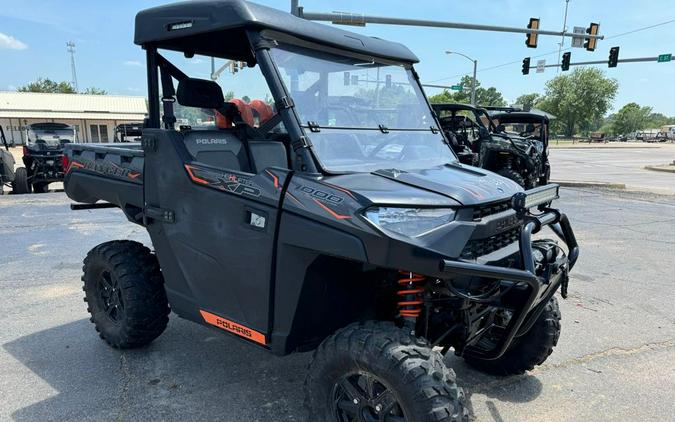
217	254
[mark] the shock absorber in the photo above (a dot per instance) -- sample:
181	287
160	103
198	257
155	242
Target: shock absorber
410	295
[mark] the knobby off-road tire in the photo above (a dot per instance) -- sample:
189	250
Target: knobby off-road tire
510	173
124	290
366	365
41	187
20	184
529	350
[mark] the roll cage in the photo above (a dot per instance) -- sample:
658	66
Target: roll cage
242	31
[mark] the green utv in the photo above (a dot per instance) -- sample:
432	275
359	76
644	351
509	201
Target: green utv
508	141
323	219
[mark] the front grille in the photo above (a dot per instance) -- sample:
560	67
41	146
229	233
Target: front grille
490	209
480	247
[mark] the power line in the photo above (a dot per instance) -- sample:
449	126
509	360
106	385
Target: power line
644	28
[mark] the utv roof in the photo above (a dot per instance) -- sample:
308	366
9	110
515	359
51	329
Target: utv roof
520	116
218	28
49	126
453	106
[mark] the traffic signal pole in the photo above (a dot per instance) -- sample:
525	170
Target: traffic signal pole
631	60
358	19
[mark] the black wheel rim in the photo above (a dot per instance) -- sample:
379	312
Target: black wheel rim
364	398
111	297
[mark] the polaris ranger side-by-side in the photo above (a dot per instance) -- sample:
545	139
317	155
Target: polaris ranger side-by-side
43	153
17	179
338	221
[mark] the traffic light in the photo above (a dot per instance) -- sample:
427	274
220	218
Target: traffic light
526	65
565	65
613	57
531	41
592	42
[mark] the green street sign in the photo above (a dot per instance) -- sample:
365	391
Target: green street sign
663	58
457	87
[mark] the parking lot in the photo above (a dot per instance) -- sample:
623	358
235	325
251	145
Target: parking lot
614	361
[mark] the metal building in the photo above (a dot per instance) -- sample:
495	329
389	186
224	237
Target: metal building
93	116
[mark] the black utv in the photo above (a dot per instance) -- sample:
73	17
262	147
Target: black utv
478	141
527	126
350	231
43	153
17	178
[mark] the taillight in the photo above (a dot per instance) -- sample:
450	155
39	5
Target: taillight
65	161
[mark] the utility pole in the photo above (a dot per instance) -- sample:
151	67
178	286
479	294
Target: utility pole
71	49
562	39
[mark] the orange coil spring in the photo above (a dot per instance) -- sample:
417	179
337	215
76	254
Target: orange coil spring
410	300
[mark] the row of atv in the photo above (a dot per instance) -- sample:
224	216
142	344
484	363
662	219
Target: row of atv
508	141
42	158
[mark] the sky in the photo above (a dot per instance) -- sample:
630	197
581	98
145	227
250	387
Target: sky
33	36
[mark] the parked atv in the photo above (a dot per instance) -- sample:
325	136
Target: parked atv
478	141
353	232
530	130
43	153
16	179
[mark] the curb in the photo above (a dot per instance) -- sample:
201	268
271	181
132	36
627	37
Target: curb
661	168
599	147
582	184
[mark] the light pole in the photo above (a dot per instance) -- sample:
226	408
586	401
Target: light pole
473	82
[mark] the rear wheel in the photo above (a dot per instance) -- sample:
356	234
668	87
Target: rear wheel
529	350
510	173
376	371
124	289
41	187
20	184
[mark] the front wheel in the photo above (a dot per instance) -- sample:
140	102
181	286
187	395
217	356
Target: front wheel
41	187
510	173
528	350
375	371
20	184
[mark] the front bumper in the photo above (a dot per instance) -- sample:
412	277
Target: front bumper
541	286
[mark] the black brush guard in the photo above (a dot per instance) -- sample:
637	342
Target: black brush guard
534	305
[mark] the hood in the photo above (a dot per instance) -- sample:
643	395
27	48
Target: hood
448	185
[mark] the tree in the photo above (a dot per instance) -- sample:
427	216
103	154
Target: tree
484	97
47	85
528	101
95	91
630	118
579	100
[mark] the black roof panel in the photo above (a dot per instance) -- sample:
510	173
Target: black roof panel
217	27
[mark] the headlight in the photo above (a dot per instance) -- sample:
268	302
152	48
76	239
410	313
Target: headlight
410	221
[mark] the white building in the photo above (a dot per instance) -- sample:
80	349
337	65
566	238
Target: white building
93	116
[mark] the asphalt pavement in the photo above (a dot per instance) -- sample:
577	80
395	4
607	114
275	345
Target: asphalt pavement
615	359
616	163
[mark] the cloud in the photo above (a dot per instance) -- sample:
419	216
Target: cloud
11	43
133	63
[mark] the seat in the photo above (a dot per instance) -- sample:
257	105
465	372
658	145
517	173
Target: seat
267	154
218	148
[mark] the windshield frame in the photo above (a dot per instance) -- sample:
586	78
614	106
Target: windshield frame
291	41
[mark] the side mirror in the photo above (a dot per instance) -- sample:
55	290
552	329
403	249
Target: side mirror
501	128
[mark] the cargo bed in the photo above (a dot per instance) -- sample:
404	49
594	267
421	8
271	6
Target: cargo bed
106	172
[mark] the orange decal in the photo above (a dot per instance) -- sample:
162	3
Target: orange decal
331	212
195	178
341	189
133	175
275	178
74	164
233	327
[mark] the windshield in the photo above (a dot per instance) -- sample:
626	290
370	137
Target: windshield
51	136
361	115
